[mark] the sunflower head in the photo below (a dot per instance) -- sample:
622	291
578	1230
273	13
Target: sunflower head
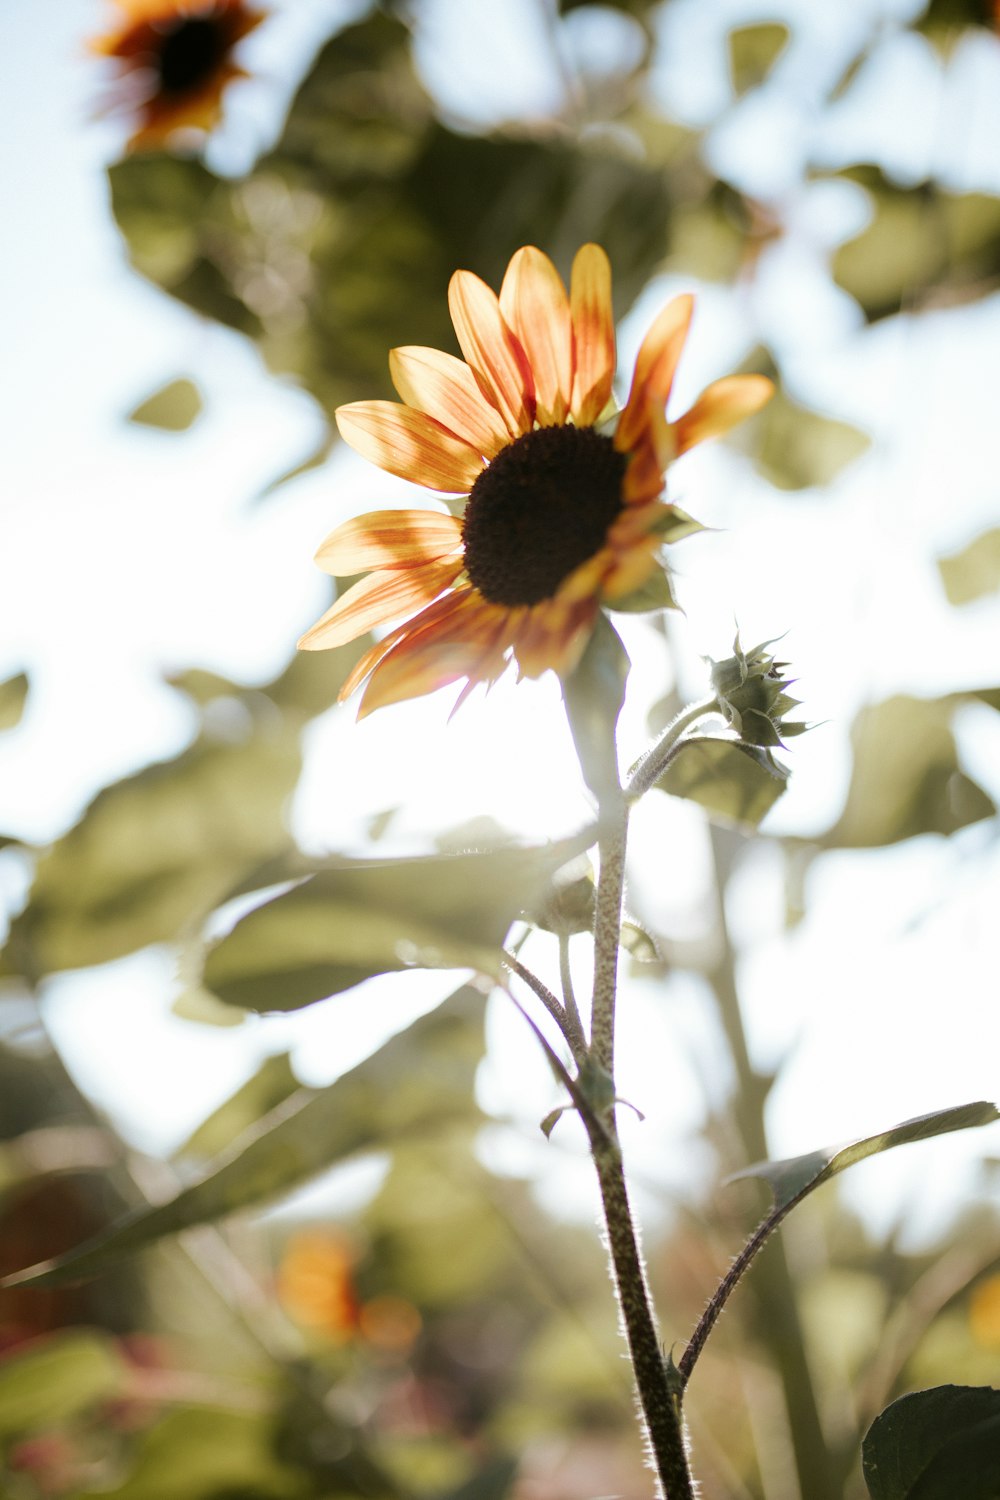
554	508
175	58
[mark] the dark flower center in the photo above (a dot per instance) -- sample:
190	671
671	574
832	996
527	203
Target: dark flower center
541	508
190	54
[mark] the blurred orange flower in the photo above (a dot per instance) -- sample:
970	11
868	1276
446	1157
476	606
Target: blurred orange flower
563	510
176	58
316	1283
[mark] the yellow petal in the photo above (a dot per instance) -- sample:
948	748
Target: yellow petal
494	354
445	388
451	646
720	406
389	539
441	608
655	367
410	445
534	304
378	598
593	334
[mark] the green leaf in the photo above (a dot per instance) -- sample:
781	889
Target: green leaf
735	783
798	447
655	593
51	1380
207	1453
940	1444
974	571
906	778
270	1086
13	696
422	1078
753	51
492	1482
357	918
593	695
792	1179
173	409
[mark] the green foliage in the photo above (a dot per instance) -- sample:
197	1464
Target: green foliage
175	408
736	783
381	1100
797	448
267	1090
906	778
792	1179
973	572
936	1445
55	1379
13	697
358	918
753	51
920	240
593	694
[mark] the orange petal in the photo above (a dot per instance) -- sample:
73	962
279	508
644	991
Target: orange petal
409	444
389	539
534	304
445	388
440	608
593	334
378	598
451	646
497	359
655	367
720	406
632	568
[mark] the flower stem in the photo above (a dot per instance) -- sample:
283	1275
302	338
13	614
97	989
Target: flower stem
651	766
574	1020
568	1022
660	1405
607	931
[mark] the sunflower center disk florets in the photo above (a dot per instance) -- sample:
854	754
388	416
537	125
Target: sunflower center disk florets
191	52
541	508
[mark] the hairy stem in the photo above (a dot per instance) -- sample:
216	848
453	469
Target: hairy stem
650	767
660	1405
607	932
574	1020
573	1033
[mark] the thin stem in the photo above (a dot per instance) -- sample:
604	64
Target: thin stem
572	1033
607	933
573	1016
648	770
660	1406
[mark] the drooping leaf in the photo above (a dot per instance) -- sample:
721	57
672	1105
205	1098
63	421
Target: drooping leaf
422	1078
792	1179
940	1444
906	778
358	918
736	783
51	1380
13	696
267	1090
173	409
593	695
973	572
753	51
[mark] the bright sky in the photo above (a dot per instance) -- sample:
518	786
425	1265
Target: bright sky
128	554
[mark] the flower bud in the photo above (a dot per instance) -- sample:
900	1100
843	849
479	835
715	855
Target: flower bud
751	691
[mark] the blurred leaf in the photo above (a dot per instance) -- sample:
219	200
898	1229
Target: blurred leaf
13	696
208	1453
712	231
173	409
733	782
936	1445
48	1381
340	243
155	852
974	571
944	21
421	1078
357	918
593	695
792	1179
493	1482
753	51
921	239
797	448
655	593
270	1086
906	779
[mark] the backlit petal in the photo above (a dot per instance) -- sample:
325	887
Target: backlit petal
452	646
655	367
378	598
389	539
720	406
445	388
494	354
534	304
409	444
593	334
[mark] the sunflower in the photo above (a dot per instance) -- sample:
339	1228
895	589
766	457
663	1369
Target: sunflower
562	510
175	61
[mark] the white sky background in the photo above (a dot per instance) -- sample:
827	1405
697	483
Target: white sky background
127	554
